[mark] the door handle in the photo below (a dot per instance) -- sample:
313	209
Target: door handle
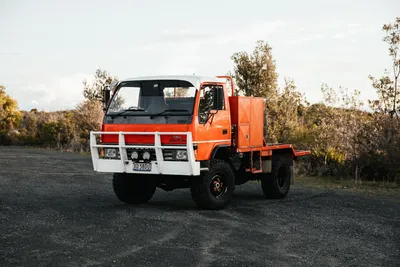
224	131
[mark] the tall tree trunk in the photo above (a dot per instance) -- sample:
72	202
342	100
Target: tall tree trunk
356	174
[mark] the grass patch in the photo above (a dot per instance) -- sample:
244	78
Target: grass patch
369	187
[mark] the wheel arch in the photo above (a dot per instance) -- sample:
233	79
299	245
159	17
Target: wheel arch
286	152
220	152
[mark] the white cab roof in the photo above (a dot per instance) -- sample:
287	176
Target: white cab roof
193	79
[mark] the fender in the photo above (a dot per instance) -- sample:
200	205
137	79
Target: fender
216	148
206	163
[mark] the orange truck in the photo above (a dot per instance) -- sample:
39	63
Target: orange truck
173	132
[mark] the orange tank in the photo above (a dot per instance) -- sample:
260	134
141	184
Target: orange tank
247	114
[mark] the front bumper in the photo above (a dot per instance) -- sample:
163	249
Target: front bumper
190	167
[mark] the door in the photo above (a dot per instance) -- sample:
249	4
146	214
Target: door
213	125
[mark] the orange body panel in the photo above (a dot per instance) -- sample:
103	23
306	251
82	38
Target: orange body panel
243	136
256	122
247	115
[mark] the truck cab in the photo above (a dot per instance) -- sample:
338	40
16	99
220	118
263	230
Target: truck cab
184	132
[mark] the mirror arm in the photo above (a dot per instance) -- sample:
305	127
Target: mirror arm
212	118
208	118
210	115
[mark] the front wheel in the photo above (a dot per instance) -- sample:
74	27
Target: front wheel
133	189
213	189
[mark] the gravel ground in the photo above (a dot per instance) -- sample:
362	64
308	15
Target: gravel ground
55	211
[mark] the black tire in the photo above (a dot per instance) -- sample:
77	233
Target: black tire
133	189
277	183
213	189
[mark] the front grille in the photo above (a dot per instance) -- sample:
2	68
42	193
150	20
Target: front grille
168	155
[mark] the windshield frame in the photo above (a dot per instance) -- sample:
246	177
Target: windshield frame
184	83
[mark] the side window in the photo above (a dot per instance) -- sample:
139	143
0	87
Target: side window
211	98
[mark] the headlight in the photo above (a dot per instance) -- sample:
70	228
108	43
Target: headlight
110	153
134	155
146	155
181	155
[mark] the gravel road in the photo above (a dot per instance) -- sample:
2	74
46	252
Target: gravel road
55	211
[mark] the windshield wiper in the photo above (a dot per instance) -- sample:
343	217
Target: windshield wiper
168	110
127	110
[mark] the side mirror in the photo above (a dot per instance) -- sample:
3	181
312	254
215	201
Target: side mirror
106	97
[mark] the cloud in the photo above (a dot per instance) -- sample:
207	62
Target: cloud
257	31
188	51
54	94
307	38
338	36
184	37
353	29
355	25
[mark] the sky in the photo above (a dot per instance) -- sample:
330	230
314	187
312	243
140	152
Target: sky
47	48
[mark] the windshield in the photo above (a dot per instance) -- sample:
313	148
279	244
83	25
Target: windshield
156	100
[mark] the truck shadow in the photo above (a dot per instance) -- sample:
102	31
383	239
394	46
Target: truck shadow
177	200
183	200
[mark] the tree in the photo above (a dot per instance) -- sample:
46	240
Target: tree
94	91
255	74
10	116
284	118
88	117
387	87
393	39
387	107
334	132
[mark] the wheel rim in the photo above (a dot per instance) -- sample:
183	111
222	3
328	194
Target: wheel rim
282	177
218	185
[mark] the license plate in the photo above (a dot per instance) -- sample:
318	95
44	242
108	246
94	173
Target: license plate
142	166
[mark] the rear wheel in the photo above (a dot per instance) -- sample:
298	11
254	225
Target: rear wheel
213	189
277	183
133	189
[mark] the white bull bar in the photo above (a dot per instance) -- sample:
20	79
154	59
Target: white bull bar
124	165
